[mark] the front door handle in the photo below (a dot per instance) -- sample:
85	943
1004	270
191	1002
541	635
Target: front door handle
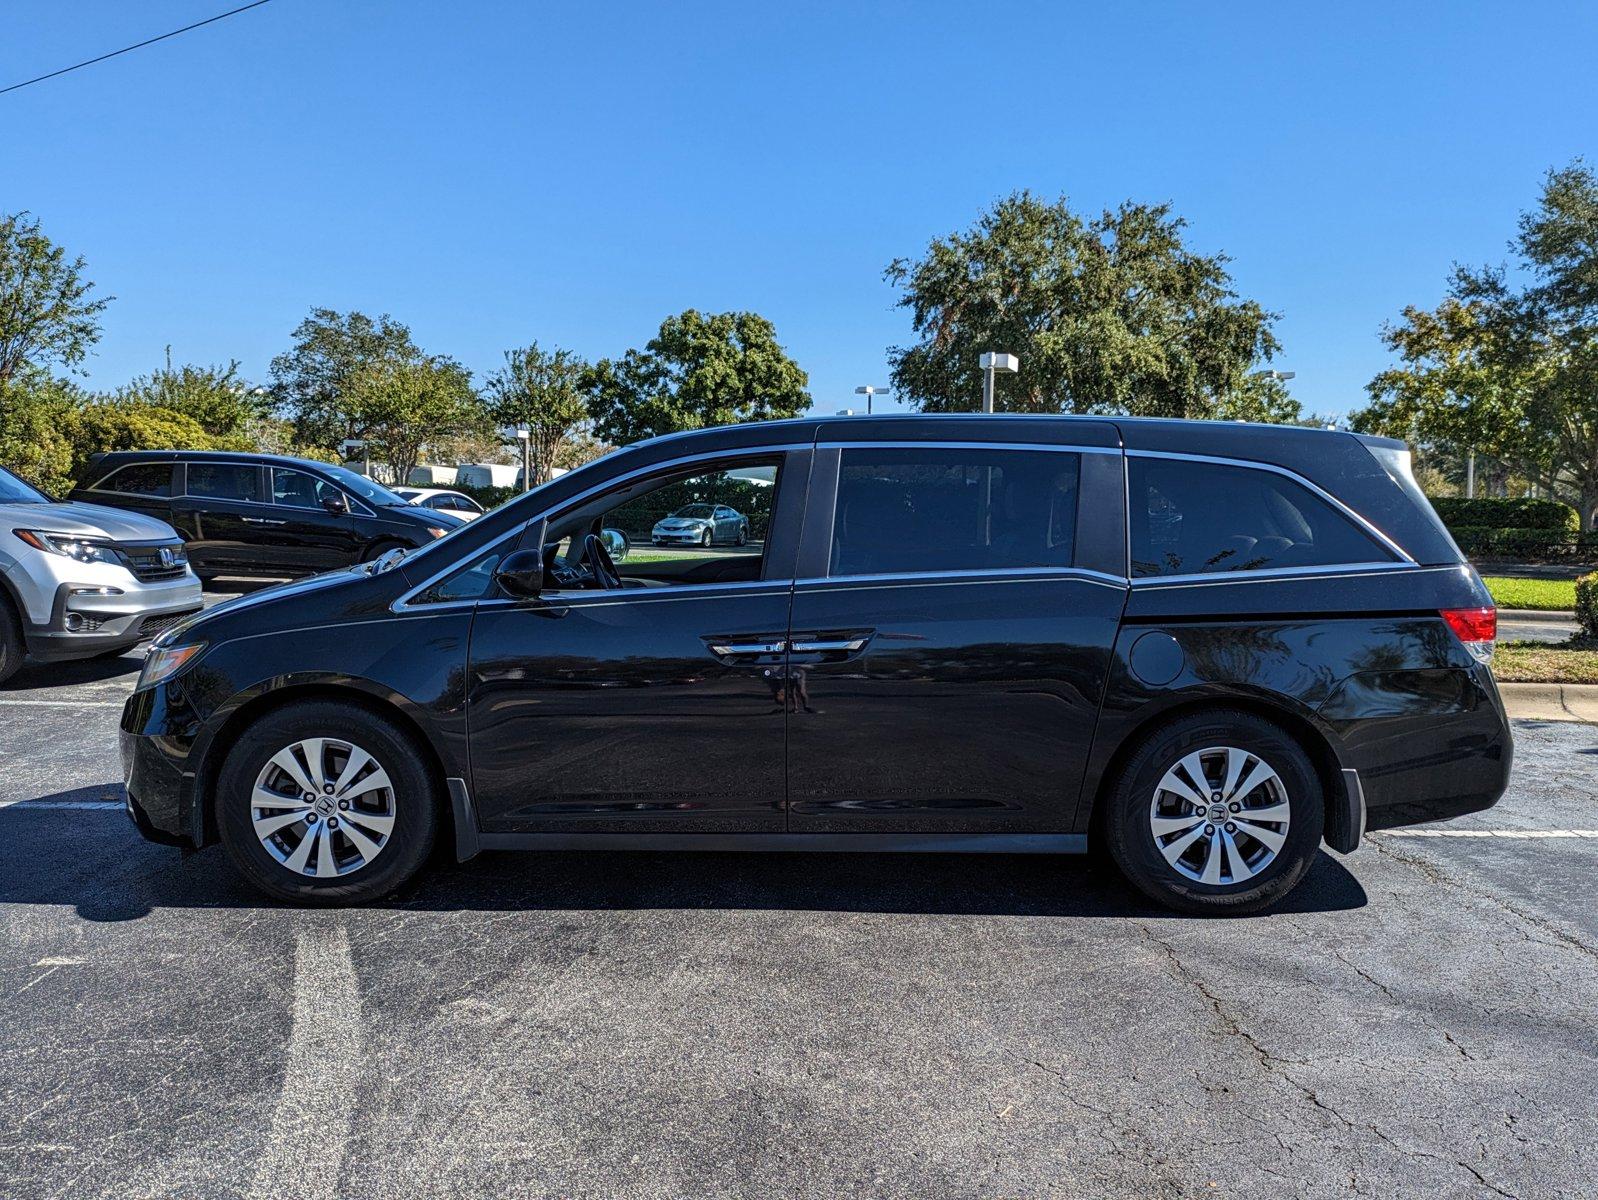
746	649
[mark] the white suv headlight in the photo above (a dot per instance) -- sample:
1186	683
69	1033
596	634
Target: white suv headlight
85	550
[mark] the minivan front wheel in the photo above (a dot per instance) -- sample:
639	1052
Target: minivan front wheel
323	803
1216	813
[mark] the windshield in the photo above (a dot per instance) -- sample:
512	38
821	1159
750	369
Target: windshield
693	510
14	491
372	493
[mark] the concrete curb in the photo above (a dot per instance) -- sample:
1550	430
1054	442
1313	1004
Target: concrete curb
1551	701
1537	614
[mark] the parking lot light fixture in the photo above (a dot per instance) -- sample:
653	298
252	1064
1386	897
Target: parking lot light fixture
992	363
524	434
868	391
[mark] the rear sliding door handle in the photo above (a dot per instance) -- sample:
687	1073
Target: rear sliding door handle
262	521
832	646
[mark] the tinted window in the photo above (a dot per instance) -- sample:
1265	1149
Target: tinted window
954	510
224	481
145	479
297	489
471	582
15	491
1190	518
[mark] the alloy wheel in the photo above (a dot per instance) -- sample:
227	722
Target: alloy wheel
1220	815
323	807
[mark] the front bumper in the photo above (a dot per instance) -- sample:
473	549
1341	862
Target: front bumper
87	619
677	537
156	744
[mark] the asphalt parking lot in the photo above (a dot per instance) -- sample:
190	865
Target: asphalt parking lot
1422	1020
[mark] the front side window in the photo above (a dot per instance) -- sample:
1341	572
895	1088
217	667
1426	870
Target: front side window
299	489
224	481
707	526
144	479
1195	518
913	511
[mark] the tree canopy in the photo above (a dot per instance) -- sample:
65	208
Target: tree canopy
47	316
400	405
542	390
699	370
310	380
1507	364
1108	314
217	399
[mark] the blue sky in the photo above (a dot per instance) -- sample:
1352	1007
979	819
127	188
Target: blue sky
492	173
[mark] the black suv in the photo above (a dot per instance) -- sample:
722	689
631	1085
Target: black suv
261	514
1205	647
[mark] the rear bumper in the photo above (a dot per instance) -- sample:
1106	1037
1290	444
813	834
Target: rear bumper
1428	744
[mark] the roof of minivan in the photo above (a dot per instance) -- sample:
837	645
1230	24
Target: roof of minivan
121	457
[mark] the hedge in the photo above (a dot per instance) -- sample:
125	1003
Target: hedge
1487	542
1587	605
1492	513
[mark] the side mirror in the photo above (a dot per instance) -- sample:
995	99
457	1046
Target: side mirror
336	504
616	542
521	574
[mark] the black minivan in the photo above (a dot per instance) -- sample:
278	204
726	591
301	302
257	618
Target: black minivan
261	514
1205	647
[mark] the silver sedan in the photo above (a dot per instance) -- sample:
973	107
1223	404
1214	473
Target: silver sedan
701	525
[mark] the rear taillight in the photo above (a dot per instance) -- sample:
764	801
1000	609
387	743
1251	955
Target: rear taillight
1476	628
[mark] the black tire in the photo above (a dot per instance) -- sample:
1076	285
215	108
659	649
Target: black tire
706	539
415	803
1130	837
378	549
743	535
12	647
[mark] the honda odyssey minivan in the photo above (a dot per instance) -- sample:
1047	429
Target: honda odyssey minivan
1205	647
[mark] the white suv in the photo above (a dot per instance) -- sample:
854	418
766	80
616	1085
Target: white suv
81	581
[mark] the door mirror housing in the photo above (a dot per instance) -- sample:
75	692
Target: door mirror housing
336	504
521	574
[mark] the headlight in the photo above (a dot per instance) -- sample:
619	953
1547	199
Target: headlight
85	550
164	662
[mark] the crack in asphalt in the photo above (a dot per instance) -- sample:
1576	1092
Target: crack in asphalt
1275	1065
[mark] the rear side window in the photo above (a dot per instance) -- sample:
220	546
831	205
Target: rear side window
1194	518
141	479
224	481
935	509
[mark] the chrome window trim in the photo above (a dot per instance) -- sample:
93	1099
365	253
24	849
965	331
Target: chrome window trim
992	575
943	444
1249	464
1272	574
403	603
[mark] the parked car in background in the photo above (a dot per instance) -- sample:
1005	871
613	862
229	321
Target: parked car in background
1204	646
81	580
701	525
262	514
442	500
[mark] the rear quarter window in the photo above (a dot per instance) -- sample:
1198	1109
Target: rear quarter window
1197	518
139	479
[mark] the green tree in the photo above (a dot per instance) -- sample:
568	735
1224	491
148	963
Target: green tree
216	398
36	425
401	405
1507	364
47	315
1109	314
312	380
104	425
699	370
542	390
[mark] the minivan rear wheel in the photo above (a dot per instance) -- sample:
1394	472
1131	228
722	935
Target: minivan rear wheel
323	803
1218	812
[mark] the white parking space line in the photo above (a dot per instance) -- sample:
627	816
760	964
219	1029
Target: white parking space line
312	1120
1487	833
62	703
79	805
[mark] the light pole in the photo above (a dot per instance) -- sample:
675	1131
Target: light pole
524	435
991	364
868	391
349	445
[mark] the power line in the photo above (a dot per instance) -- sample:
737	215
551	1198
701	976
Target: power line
136	46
